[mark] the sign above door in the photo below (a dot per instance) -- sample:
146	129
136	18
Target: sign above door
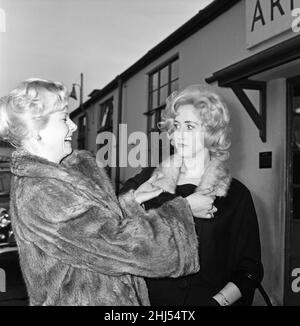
268	18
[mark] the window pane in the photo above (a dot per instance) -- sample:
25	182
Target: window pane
296	168
163	95
104	118
81	143
296	104
105	115
154	81
157	118
154	100
296	132
296	98
174	86
109	121
164	76
152	121
82	124
174	70
296	204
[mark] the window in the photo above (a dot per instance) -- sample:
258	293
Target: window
163	81
105	123
81	132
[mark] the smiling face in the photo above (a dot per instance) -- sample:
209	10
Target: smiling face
55	138
188	135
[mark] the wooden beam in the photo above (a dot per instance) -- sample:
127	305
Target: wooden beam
258	116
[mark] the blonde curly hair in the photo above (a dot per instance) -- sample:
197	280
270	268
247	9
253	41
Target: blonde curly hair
25	109
213	114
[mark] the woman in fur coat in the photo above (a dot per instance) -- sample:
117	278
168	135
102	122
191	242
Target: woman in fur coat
229	245
79	244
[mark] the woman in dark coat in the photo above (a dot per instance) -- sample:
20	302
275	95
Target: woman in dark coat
79	244
229	245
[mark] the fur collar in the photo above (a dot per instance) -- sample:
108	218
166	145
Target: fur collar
216	178
78	171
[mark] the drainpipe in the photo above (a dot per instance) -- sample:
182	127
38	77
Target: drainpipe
119	121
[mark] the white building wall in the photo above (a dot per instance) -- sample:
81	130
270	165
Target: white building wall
220	44
134	107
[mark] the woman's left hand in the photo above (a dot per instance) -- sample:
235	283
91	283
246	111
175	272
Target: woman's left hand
202	205
147	191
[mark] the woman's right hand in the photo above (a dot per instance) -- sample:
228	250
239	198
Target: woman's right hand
202	205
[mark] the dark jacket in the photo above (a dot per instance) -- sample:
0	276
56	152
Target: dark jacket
79	245
229	244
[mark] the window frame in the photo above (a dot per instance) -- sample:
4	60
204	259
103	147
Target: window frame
155	112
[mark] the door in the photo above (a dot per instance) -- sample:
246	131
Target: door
292	268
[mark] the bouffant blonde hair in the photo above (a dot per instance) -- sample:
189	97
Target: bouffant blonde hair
26	109
213	114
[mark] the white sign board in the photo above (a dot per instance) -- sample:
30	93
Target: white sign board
268	18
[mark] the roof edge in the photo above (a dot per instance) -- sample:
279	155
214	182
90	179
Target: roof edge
270	58
197	22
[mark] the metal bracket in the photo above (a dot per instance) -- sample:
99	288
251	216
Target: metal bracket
259	116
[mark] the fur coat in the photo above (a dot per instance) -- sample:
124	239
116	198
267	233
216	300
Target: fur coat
79	245
229	243
215	179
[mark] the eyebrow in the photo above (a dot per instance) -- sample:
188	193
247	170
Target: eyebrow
194	122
